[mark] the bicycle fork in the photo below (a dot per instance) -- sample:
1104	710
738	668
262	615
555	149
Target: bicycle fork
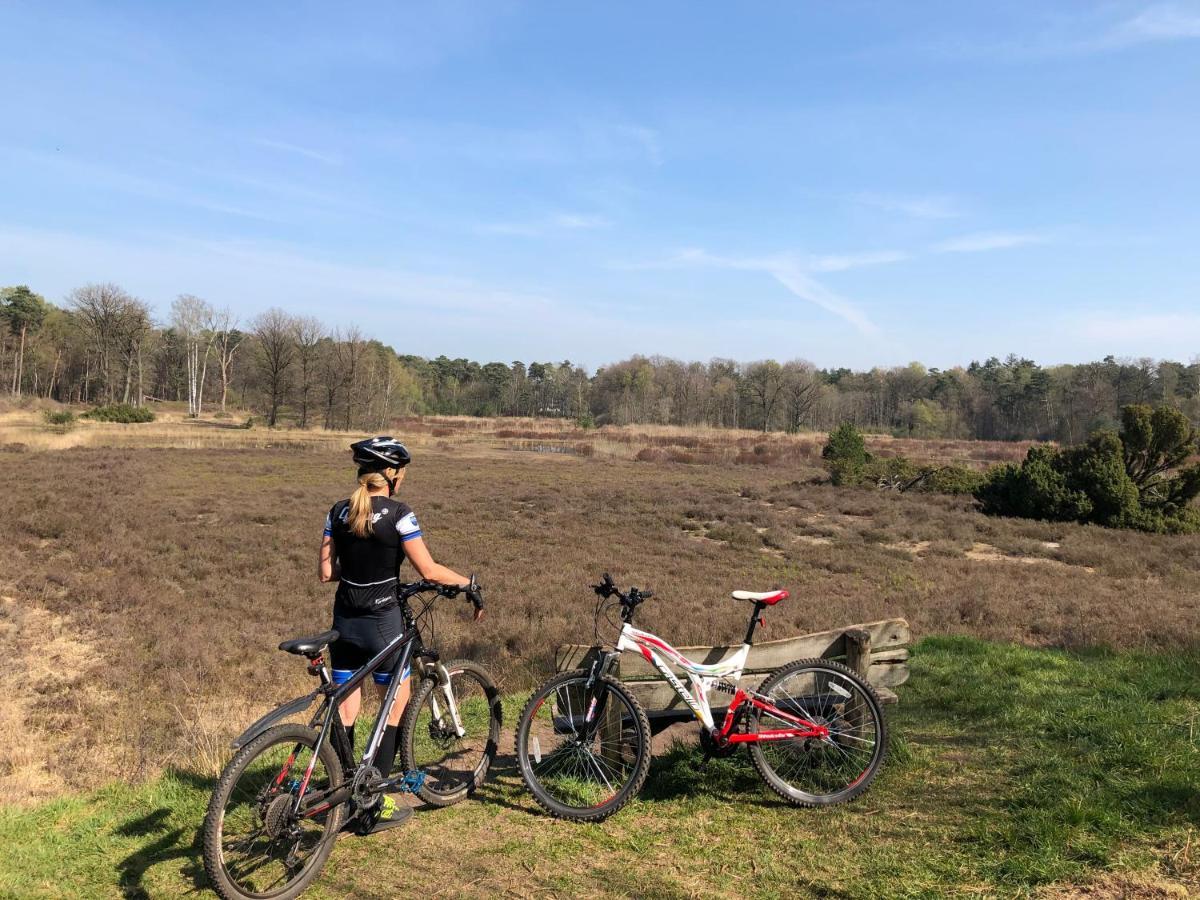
444	687
595	695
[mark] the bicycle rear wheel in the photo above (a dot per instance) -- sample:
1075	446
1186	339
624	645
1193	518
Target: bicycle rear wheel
254	846
583	757
454	753
820	771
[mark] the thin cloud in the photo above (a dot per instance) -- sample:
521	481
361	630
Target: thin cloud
646	138
789	271
936	206
856	260
542	227
1155	24
297	150
996	240
1164	22
1166	328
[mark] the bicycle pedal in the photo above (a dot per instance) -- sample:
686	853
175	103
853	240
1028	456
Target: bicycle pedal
411	782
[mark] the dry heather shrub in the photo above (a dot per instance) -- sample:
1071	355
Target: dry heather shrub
188	569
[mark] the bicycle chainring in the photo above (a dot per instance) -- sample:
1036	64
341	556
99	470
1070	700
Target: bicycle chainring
360	788
711	748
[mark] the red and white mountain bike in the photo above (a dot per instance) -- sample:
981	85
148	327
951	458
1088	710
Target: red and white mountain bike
815	729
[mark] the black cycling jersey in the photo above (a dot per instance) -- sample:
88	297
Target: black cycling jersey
370	565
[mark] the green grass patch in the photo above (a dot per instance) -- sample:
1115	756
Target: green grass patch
1010	769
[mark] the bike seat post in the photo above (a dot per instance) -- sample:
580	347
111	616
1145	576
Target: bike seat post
317	666
755	619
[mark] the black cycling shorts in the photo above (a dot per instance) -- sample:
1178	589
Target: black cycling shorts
361	636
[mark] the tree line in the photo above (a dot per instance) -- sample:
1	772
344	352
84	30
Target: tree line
103	345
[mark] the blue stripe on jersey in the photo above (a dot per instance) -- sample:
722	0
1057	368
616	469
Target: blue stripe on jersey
385	677
341	676
408	537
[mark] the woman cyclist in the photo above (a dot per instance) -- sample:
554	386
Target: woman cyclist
367	538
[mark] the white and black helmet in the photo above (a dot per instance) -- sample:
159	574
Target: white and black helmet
382	452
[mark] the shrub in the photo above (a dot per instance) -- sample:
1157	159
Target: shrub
61	417
952	480
846	454
650	454
124	413
585	421
895	473
1116	480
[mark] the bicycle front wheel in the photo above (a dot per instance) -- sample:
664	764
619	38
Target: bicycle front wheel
254	843
451	730
583	755
820	771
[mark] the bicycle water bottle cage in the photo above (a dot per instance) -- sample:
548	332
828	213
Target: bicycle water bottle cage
412	782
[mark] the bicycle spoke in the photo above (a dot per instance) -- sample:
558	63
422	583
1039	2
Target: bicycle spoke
263	845
819	767
577	772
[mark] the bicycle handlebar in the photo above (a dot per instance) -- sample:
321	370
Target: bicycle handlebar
473	590
629	599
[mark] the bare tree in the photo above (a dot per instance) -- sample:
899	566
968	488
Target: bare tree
134	328
308	333
352	347
333	378
276	353
228	339
193	319
801	389
764	381
105	313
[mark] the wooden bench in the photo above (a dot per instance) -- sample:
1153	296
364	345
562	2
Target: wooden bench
876	650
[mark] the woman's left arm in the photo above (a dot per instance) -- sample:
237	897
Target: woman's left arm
418	553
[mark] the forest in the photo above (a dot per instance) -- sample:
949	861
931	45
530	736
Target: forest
103	345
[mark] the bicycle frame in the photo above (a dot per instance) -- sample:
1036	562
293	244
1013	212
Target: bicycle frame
703	678
407	646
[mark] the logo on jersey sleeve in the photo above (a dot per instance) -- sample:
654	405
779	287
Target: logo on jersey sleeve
408	527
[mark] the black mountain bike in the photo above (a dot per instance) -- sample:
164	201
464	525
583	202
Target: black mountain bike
290	788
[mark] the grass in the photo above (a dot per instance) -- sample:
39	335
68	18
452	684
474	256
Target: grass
1014	772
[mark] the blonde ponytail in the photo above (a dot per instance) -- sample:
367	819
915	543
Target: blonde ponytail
362	514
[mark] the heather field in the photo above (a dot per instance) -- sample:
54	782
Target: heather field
1045	744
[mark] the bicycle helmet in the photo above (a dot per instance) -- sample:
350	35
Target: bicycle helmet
383	452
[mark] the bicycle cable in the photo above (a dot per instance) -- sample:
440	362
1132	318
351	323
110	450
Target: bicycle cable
604	608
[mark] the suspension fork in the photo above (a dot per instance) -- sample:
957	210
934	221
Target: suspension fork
595	697
445	688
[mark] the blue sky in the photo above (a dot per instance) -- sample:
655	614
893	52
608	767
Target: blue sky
849	183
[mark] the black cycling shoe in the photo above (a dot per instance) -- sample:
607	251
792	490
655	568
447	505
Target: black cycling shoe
389	814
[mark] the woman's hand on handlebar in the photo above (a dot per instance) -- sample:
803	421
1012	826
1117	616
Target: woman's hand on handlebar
471	588
475	595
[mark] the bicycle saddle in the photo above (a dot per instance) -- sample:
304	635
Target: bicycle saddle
768	597
315	644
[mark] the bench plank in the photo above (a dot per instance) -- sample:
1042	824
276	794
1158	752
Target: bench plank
877	647
885	636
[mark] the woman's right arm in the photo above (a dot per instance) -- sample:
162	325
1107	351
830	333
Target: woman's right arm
327	567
